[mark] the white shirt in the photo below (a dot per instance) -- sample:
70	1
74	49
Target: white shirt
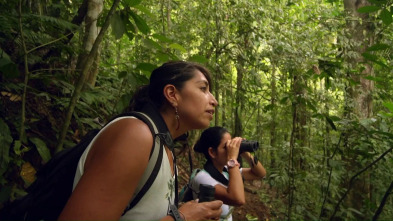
204	177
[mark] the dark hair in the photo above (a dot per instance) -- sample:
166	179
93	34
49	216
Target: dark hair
173	72
210	137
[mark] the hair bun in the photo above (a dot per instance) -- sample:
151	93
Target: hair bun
198	147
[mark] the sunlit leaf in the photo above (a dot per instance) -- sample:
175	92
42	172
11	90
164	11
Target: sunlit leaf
161	38
177	47
389	106
199	59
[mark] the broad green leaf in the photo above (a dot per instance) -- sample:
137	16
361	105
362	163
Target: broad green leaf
378	47
334	118
140	23
389	106
386	17
4	55
199	59
177	47
368	9
330	121
130	29
144	10
17	146
130	35
41	148
163	57
5	143
373	58
118	26
369	56
132	3
152	44
161	38
146	67
372	78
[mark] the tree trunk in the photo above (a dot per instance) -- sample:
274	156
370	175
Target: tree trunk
217	60
273	122
359	101
239	101
94	9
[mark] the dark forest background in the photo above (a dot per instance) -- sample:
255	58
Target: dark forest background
310	80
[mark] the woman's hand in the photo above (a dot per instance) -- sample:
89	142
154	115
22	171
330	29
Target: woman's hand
193	210
232	147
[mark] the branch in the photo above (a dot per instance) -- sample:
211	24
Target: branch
330	176
48	43
353	179
23	117
385	197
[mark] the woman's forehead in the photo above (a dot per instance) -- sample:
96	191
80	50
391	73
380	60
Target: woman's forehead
199	77
226	136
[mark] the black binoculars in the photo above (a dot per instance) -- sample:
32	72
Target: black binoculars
206	193
248	146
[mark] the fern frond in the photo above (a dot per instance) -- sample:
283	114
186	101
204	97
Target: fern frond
56	22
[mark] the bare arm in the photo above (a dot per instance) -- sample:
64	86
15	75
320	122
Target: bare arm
234	194
257	171
113	168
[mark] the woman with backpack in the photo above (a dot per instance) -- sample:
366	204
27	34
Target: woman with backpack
108	173
222	170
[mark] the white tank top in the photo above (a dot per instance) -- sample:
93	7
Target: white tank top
154	205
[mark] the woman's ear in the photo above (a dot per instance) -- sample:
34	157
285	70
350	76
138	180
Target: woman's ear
212	152
171	94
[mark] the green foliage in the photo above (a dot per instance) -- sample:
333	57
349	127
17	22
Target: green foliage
297	96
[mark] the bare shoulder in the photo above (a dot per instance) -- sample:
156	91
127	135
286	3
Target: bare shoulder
125	137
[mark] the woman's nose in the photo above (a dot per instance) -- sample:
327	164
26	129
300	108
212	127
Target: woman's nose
213	101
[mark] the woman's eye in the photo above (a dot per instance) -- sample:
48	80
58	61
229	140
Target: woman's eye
203	88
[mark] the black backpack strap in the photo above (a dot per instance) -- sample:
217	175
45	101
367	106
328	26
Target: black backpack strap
150	115
154	164
209	167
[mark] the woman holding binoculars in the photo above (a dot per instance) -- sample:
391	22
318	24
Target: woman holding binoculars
221	152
